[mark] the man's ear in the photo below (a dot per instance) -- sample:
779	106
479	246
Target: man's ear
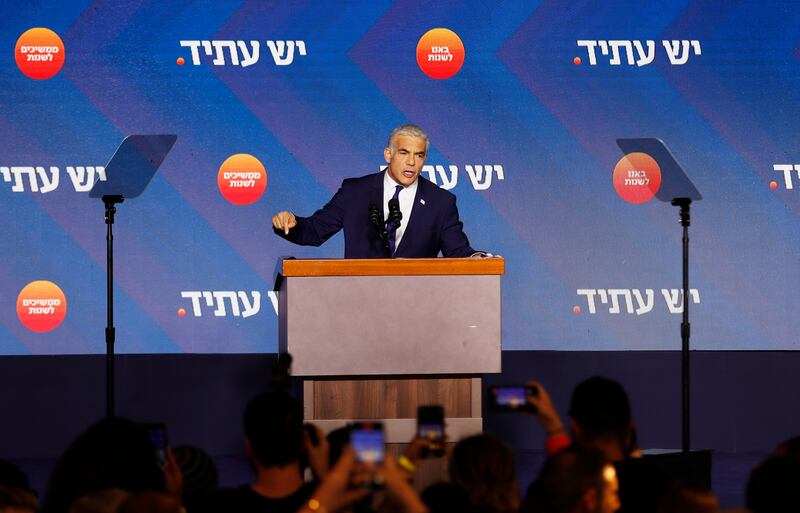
387	154
589	501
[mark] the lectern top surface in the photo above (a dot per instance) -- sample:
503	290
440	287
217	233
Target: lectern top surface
393	267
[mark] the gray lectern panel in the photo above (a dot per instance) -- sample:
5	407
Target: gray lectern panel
392	325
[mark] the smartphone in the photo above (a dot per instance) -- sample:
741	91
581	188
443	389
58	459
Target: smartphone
158	435
367	440
430	427
512	398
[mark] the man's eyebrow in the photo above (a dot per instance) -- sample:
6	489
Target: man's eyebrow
408	150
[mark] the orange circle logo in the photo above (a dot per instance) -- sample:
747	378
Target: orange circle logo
637	177
39	53
440	53
41	306
242	179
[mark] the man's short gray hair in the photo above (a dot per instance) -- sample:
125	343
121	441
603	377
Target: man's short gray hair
411	131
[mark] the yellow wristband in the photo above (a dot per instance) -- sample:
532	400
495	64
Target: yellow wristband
406	464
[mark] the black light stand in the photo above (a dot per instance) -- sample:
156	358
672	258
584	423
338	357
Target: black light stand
685	218
128	172
109	202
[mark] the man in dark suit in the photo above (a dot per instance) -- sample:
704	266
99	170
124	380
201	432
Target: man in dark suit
429	222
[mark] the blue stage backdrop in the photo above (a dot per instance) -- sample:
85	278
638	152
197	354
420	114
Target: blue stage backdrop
275	103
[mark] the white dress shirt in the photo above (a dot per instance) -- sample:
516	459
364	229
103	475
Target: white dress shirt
406	199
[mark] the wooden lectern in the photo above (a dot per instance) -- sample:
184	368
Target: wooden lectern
376	338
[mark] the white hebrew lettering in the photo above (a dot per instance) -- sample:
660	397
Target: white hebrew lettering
283	51
83	178
589	293
645	58
674	299
219	47
194	46
19	172
248	308
635	300
273	297
615	46
41	310
448	176
590	46
220	296
249	58
787	173
678	51
481	182
207	47
195	297
49	183
448	181
644	306
218	299
615	293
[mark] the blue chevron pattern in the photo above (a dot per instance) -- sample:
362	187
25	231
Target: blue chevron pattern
519	101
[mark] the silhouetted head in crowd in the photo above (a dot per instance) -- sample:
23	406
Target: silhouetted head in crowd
575	480
113	453
601	417
17	500
12	476
484	467
682	498
273	425
789	449
16	495
199	472
772	486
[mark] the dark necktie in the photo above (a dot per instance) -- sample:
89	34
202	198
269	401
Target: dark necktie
390	226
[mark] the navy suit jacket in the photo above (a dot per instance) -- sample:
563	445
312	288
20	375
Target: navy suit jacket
433	225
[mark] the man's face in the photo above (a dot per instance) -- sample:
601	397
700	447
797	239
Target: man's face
405	159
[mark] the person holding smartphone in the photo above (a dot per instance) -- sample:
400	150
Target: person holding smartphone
601	418
336	492
277	445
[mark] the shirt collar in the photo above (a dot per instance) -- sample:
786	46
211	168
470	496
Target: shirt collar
390	184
